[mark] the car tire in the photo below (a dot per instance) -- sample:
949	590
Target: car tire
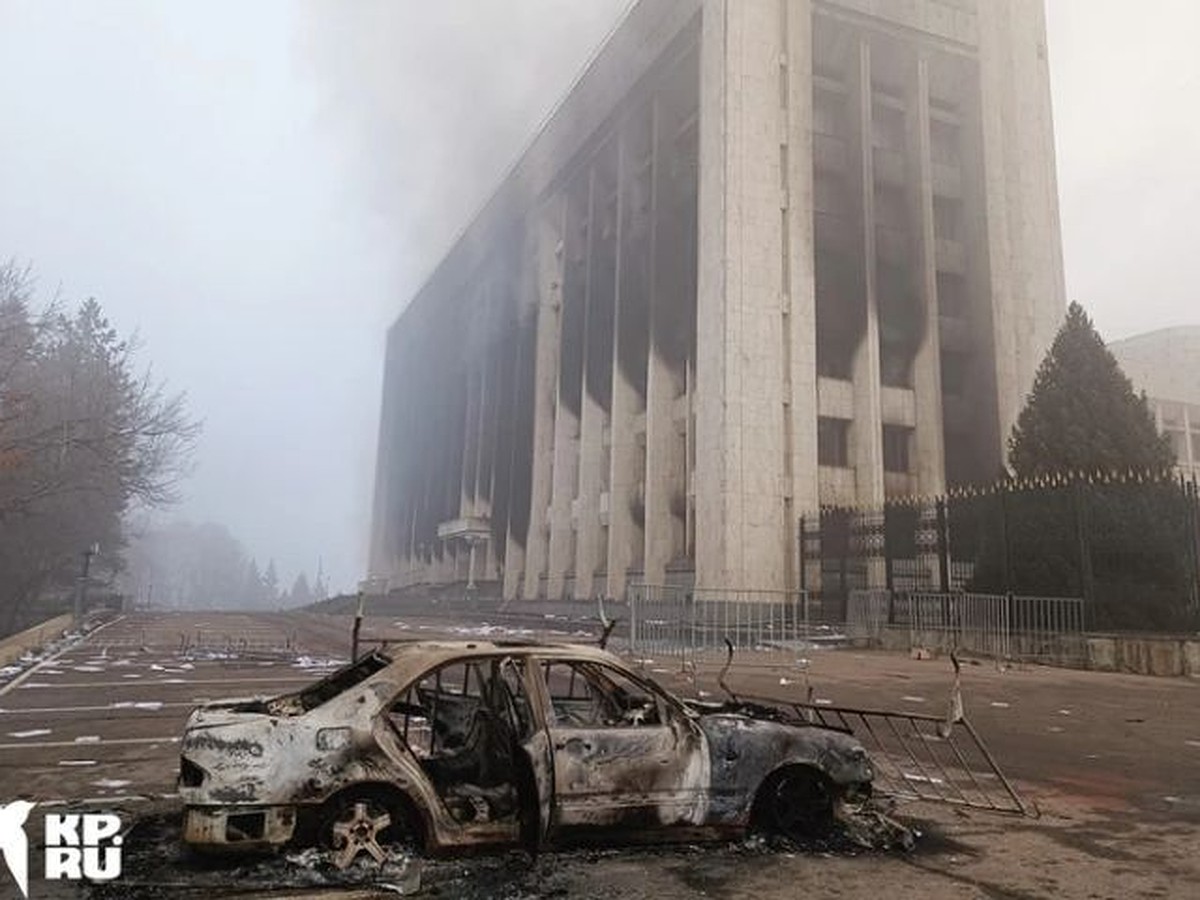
367	822
796	802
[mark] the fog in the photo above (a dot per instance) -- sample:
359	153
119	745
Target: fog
256	189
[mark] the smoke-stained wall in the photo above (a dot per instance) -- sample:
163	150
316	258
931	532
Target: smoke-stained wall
768	255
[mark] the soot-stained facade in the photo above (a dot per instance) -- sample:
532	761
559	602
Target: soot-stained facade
768	255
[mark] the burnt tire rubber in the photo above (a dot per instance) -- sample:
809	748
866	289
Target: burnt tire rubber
359	822
795	803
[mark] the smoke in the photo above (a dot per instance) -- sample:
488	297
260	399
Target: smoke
435	101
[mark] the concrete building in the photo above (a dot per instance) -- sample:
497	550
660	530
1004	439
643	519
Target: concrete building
1165	364
767	255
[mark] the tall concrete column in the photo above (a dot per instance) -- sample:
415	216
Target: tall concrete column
867	430
867	436
929	440
740	440
801	300
571	387
627	460
660	397
546	261
1022	220
586	506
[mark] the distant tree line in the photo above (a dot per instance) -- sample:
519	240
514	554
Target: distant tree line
181	565
85	437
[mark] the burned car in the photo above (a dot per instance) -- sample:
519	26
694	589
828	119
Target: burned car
448	745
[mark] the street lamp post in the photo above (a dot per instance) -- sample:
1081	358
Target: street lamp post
81	587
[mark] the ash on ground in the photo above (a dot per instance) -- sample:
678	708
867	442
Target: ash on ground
157	866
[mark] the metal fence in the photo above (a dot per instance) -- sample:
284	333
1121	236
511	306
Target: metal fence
1002	626
1128	544
680	622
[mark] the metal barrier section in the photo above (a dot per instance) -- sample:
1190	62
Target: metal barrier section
1001	626
666	621
264	643
867	614
926	758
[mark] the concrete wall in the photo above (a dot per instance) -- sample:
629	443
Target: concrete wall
13	647
1160	655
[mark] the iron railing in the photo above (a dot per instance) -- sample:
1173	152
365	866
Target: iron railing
676	621
995	625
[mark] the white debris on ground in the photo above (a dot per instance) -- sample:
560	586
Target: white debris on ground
310	662
33	732
32	658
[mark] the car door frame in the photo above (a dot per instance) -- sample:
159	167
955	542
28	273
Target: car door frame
677	786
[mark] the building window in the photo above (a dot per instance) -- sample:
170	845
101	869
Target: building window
829	194
943	143
895	365
890	209
952	294
946	213
1179	445
954	373
828	113
897	442
833	442
887	128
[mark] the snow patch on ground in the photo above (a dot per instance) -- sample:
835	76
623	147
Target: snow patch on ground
33	732
310	662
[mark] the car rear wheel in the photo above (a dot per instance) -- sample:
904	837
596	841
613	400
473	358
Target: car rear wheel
796	802
364	822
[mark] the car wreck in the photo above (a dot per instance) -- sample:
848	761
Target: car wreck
439	746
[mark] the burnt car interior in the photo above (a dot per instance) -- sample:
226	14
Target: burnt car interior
586	695
464	722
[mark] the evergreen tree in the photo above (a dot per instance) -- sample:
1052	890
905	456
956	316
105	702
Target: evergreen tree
271	584
1083	415
301	593
1074	522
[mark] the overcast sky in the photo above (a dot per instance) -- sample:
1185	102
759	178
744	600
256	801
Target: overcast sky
256	187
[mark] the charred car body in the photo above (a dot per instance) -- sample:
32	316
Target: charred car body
448	745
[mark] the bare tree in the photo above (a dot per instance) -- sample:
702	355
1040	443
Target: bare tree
83	438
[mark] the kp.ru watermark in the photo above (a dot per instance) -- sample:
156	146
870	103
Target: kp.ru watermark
79	846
